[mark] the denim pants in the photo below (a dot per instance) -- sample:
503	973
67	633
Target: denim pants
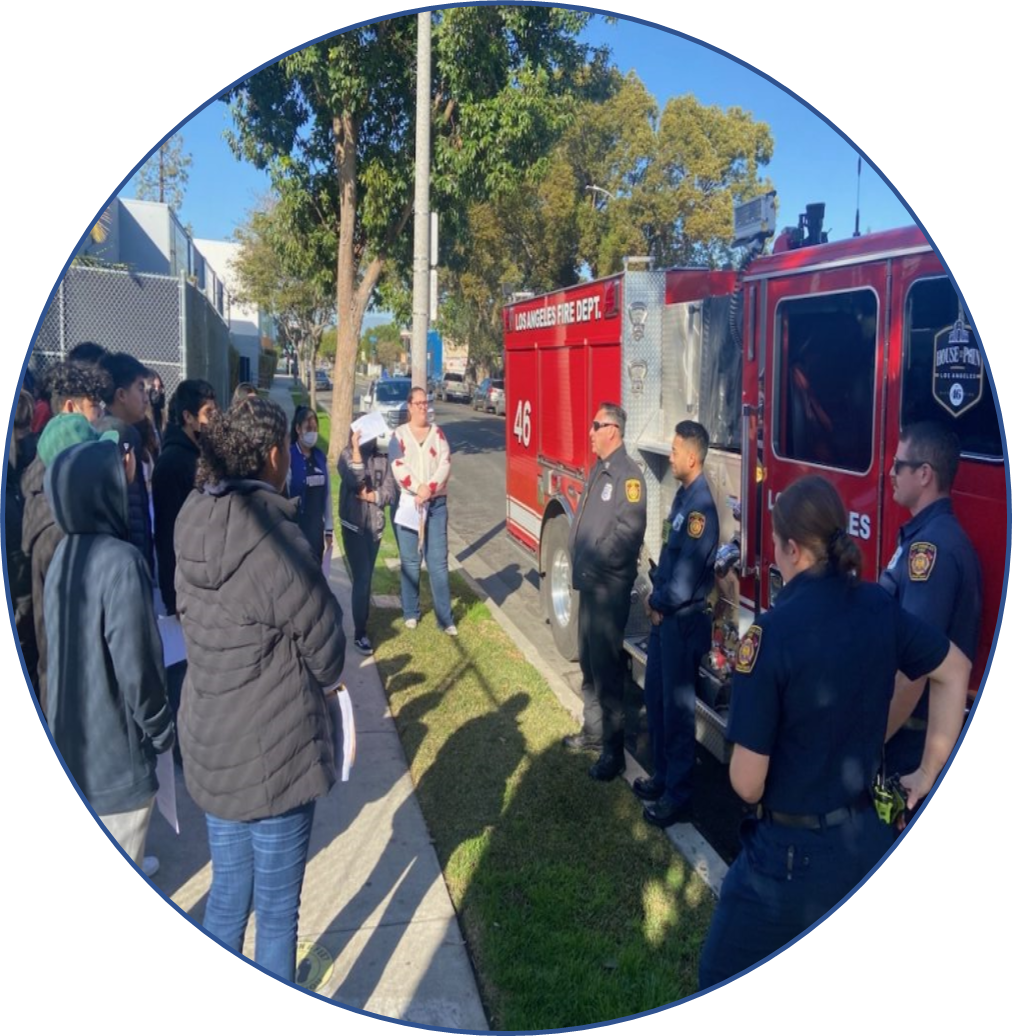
360	548
784	880
436	561
259	865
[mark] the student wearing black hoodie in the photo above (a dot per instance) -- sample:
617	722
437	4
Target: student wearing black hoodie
107	708
192	406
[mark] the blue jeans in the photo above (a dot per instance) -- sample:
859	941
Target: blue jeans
259	865
436	561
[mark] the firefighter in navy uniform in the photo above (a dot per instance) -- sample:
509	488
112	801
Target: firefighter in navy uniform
681	632
604	546
934	574
811	694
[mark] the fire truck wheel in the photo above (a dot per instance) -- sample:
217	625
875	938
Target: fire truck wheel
559	601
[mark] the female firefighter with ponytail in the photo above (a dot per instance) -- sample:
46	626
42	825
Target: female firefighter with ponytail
808	717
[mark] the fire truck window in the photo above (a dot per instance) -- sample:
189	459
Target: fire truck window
933	306
826	379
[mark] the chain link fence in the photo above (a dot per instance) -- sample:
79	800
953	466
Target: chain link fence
164	321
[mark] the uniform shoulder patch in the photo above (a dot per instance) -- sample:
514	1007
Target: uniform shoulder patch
920	561
633	490
697	523
748	650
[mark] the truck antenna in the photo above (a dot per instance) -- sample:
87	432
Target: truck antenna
857	214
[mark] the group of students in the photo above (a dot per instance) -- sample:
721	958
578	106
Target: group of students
239	524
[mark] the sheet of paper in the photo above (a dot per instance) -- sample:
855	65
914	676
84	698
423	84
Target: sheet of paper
342	720
370	427
165	798
408	516
327	555
173	645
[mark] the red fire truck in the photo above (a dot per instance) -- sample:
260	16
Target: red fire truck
808	360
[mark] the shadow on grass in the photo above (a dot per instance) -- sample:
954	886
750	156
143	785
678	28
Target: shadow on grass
575	912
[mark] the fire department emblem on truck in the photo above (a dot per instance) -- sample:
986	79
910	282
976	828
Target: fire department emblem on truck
921	560
958	369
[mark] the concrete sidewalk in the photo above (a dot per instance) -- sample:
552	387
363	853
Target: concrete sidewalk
377	929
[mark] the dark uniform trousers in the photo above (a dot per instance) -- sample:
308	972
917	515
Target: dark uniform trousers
604	612
676	647
783	881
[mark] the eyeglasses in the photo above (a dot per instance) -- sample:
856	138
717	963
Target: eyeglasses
598	425
899	465
417	402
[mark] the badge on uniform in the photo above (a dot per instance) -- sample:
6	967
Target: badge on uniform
920	561
748	650
606	492
697	523
633	490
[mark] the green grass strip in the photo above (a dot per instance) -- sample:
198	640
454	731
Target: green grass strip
574	910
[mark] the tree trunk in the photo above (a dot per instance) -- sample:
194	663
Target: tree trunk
352	300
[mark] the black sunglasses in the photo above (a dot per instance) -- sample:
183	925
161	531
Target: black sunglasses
899	465
598	425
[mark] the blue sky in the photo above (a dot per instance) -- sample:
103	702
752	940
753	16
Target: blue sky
811	162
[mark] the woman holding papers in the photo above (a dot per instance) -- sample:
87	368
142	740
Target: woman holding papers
265	648
367	487
421	467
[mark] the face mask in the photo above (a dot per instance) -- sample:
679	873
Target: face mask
309	439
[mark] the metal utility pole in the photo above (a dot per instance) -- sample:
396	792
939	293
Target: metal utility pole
423	135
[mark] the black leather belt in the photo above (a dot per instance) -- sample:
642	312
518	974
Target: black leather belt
814	821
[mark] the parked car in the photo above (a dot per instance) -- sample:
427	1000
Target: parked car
322	381
490	396
453	386
389	397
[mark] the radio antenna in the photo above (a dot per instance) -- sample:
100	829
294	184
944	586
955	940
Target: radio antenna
857	214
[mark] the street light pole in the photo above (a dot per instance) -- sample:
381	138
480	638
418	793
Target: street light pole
423	133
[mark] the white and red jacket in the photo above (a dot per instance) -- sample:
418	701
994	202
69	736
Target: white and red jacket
422	463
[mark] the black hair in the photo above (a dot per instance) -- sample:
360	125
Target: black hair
237	442
301	414
693	432
77	380
123	370
810	512
24	410
937	445
190	396
86	352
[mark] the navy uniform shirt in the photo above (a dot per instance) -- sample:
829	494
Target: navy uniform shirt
812	687
610	525
684	578
935	575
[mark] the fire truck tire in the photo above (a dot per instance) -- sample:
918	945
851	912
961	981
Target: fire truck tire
559	601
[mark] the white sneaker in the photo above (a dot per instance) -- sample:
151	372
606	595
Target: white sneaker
150	866
451	630
410	624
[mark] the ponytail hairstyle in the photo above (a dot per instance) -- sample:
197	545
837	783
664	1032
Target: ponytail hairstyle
237	442
811	513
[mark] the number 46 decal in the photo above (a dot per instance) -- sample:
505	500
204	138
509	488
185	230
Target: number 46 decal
522	422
